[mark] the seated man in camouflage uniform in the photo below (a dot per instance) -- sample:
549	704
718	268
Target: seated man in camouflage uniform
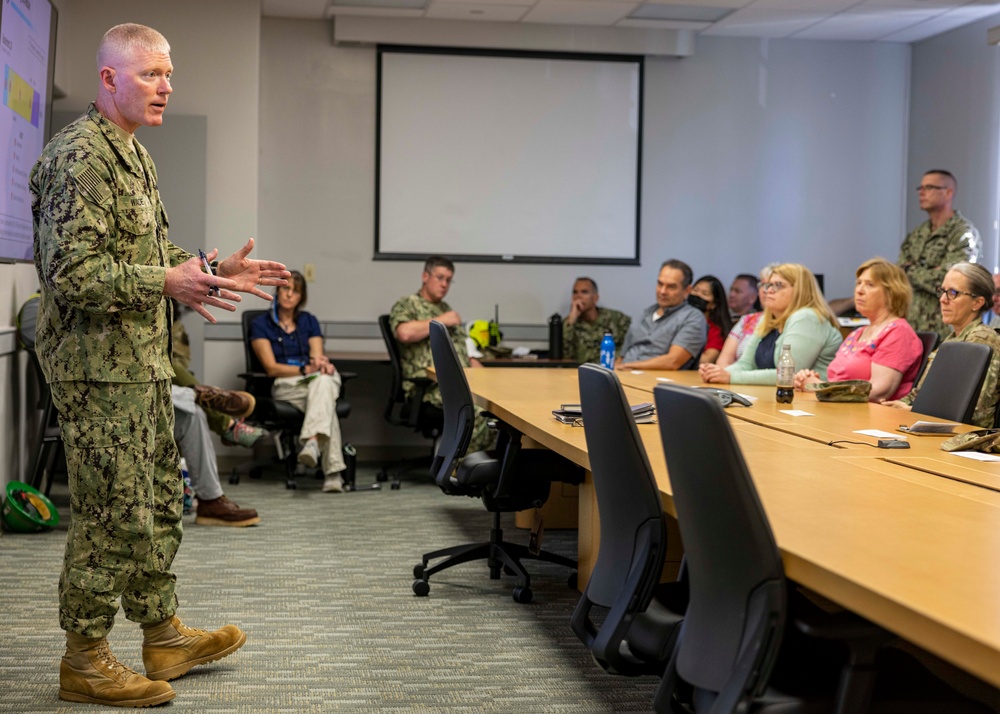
410	319
584	327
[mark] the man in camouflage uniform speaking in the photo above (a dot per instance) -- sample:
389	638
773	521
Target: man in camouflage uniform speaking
107	271
584	327
946	238
410	320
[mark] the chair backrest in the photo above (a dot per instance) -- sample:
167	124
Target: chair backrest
249	356
27	319
732	628
954	378
396	395
929	339
633	528
456	400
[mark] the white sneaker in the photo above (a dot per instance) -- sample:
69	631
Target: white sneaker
333	483
309	456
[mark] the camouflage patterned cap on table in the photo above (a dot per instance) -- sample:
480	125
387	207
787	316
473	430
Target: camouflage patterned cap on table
850	390
985	440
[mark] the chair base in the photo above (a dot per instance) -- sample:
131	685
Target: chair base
499	555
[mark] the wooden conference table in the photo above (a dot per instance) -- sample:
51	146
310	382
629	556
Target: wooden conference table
907	538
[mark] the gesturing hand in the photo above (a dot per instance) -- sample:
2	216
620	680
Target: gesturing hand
249	275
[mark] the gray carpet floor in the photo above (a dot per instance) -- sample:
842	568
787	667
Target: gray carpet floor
322	588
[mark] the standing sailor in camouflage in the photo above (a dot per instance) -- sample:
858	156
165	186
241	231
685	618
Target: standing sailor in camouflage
410	320
946	238
584	327
107	271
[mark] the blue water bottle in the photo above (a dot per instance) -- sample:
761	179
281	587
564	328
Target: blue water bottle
608	350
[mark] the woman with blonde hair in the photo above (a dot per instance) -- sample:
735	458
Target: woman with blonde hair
887	351
795	314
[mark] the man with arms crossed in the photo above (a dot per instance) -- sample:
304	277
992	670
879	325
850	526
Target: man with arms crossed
671	333
945	238
410	320
107	271
584	327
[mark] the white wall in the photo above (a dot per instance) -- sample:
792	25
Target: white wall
753	152
955	122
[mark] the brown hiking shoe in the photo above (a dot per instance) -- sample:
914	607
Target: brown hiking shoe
223	512
90	673
171	648
235	404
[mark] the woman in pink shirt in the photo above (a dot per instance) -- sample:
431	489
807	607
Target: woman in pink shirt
887	352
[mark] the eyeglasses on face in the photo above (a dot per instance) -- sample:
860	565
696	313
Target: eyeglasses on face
951	293
929	187
772	287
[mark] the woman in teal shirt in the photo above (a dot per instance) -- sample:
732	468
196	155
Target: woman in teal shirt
795	313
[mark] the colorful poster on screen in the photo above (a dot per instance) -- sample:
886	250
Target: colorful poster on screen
25	34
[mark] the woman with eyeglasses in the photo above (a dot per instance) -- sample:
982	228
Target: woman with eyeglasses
887	351
739	337
709	296
795	313
965	294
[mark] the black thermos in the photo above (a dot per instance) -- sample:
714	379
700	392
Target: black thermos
555	336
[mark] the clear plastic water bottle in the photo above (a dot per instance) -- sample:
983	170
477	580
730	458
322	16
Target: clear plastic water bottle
608	350
786	376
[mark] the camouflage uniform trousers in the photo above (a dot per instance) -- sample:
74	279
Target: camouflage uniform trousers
126	503
482	437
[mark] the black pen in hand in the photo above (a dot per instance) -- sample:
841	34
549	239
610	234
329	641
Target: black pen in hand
213	290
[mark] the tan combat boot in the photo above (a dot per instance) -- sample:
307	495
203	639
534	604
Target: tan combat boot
90	673
170	648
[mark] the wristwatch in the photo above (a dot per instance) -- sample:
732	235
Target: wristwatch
302	370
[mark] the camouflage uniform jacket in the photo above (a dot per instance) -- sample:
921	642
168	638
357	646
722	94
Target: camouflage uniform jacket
416	356
986	407
926	256
101	252
582	340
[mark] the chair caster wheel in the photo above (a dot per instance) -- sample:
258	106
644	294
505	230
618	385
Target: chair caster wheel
395	485
572	581
522	595
382	476
421	588
291	485
418	570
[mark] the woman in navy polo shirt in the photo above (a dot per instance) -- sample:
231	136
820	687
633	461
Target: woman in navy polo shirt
289	345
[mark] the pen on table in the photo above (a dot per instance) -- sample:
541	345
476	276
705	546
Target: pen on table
213	290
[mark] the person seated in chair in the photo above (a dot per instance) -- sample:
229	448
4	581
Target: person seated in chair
584	327
191	433
289	344
410	320
964	295
226	409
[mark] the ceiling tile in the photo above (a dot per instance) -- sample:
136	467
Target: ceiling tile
484	12
751	22
663	24
942	23
579	12
301	9
862	24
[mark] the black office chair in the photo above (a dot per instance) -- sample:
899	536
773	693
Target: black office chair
282	419
734	630
638	630
47	449
506	479
954	378
929	339
412	411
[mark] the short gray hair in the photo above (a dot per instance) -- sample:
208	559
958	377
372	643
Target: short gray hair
980	282
122	40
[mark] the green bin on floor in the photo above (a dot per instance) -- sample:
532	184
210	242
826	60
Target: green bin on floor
26	510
